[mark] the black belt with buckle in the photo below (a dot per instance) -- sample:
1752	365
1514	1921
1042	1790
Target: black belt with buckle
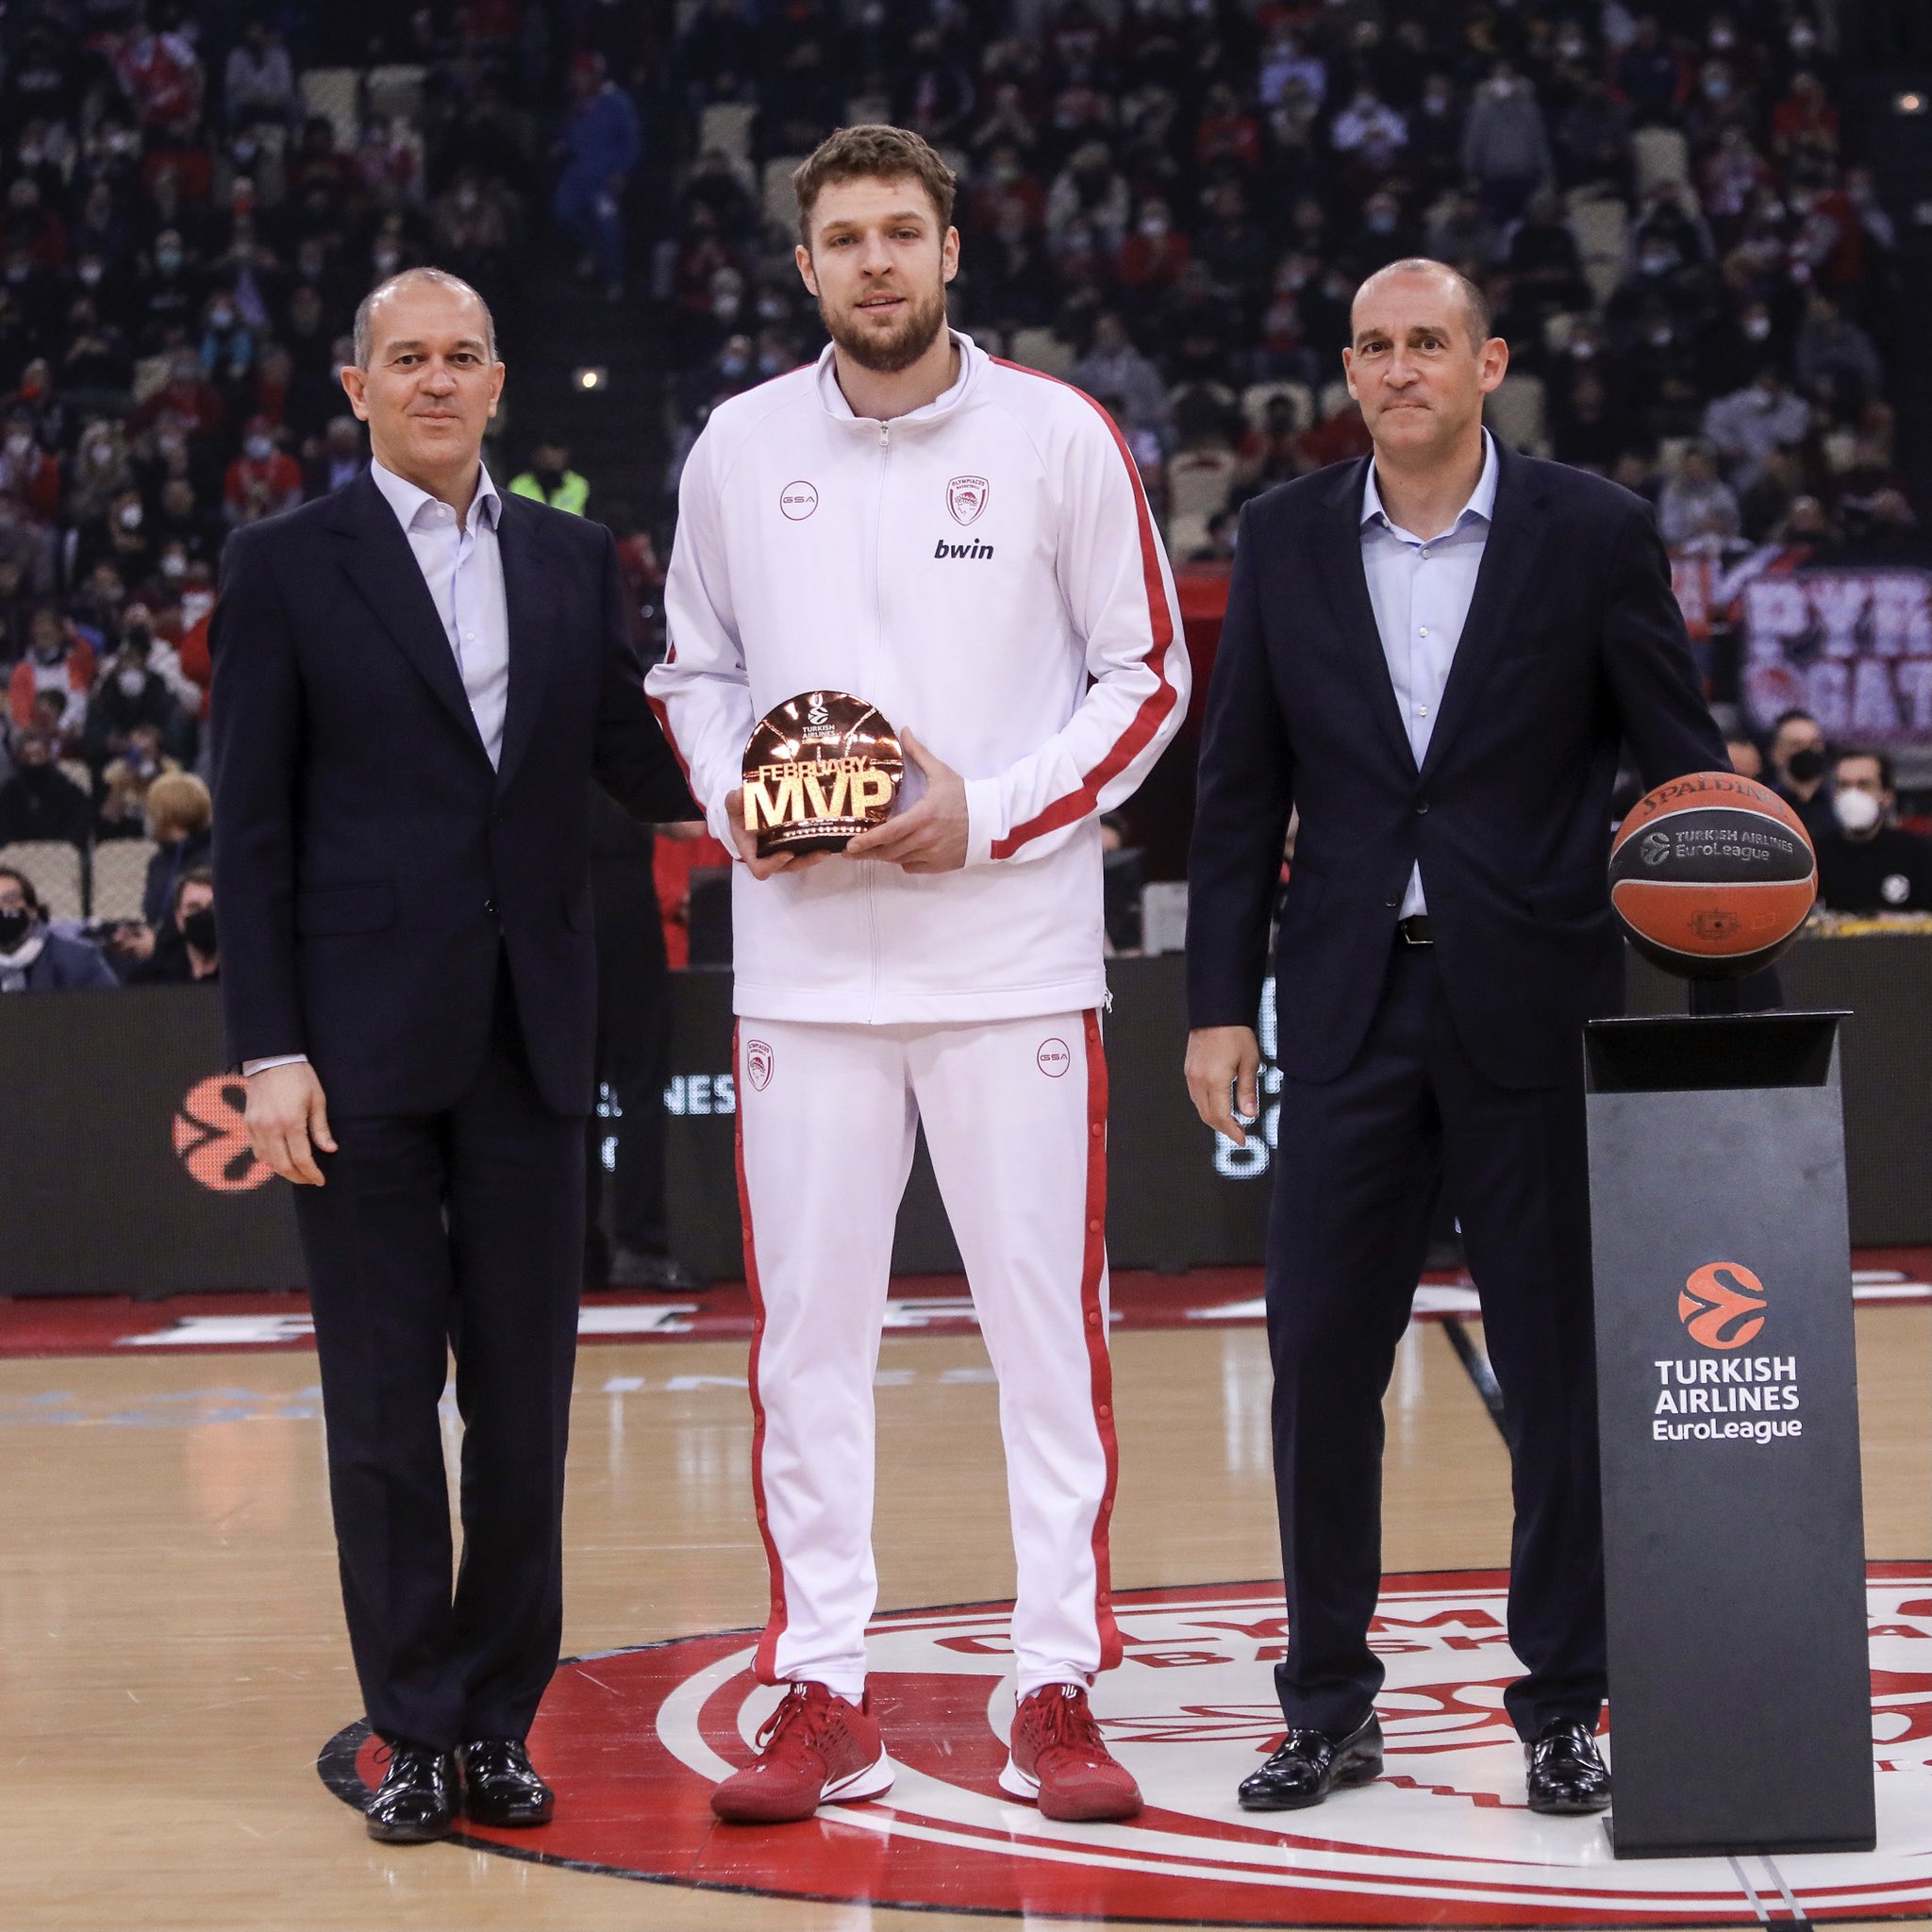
1415	930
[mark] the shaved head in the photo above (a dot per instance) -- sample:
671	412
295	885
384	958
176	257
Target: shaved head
1474	304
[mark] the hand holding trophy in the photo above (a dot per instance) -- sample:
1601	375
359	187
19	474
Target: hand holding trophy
819	769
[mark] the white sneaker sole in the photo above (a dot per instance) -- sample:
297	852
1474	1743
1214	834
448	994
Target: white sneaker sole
869	1783
1015	1783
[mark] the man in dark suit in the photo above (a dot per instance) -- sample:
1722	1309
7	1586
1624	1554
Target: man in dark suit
1446	933
416	680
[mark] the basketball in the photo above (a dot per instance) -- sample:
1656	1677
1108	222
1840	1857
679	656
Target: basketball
1712	876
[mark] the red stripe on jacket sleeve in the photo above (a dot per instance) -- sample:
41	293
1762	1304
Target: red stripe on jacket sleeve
1074	806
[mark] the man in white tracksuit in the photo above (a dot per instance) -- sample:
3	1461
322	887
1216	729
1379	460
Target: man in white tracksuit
964	545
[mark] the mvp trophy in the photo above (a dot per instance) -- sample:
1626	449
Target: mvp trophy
819	769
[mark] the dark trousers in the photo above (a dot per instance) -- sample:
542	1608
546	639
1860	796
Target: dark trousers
634	1062
1360	1163
458	1231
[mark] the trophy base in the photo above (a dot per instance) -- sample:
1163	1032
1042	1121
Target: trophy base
808	838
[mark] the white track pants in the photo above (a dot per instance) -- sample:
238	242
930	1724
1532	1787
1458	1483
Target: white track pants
1015	1117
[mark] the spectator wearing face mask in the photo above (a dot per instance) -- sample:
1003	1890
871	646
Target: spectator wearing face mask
1696	503
1506	145
57	659
1866	862
261	473
133	694
32	960
726	372
121	538
1154	256
190	921
124	781
180	519
180	821
1113	366
1750	422
550	479
137	626
39	801
258	81
27	473
101	472
1797	771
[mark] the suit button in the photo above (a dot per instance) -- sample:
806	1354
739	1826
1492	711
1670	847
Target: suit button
1422	804
1391	902
489	907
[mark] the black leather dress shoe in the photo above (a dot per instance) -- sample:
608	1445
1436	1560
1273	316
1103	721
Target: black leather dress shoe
416	1800
1567	1773
1310	1764
499	1787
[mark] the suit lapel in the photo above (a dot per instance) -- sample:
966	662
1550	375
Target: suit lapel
1515	542
384	571
521	544
1347	584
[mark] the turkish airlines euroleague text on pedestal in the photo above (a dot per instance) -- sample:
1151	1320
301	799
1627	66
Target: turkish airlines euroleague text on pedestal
1703	1400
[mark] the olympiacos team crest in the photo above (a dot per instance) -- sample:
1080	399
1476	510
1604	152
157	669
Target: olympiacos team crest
634	1740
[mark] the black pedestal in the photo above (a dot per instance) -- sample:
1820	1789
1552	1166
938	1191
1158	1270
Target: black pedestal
1734	1542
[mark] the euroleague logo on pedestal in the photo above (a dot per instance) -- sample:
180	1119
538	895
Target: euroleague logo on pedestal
634	1740
210	1133
1722	1306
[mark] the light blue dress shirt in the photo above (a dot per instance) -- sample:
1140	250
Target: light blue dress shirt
1420	592
463	568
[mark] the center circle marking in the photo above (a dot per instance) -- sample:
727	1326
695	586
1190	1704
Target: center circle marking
634	1740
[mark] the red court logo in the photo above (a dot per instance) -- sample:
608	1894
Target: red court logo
1053	1058
758	1064
637	1739
966	498
1721	1304
211	1137
798	500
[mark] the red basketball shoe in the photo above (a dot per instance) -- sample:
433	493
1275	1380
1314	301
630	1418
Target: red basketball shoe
1060	1763
815	1749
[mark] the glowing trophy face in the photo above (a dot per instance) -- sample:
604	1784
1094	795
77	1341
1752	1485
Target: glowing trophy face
819	770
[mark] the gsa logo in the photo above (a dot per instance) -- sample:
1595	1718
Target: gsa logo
1722	1305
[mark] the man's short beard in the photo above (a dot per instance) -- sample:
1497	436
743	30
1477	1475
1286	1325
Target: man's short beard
888	354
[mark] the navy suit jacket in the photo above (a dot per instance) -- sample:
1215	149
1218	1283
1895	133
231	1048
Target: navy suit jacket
1573	644
371	866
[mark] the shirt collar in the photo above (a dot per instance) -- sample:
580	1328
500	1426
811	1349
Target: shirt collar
416	508
833	397
1482	499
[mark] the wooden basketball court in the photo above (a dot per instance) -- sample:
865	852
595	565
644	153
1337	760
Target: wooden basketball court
173	1658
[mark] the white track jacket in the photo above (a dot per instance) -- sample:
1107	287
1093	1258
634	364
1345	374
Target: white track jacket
984	571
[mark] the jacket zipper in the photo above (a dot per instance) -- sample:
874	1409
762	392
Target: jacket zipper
878	626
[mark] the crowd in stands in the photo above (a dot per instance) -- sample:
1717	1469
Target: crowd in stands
1171	204
1168	202
186	225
